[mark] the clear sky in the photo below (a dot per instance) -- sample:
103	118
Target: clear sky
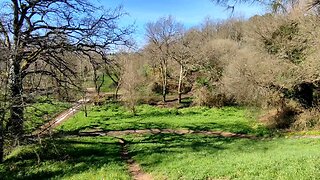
189	12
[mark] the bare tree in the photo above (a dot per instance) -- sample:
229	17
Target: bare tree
162	35
132	80
186	52
42	31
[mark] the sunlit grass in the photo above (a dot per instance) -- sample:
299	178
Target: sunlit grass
202	157
116	117
166	156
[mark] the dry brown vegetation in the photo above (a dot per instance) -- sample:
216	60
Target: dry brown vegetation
268	61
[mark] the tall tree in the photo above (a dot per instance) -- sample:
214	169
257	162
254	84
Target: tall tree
162	35
186	53
42	31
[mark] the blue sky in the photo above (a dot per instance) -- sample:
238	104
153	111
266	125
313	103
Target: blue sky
189	12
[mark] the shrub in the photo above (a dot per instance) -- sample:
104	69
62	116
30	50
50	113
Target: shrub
204	97
278	119
309	119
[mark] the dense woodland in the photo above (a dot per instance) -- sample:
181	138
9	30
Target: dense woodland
268	61
57	49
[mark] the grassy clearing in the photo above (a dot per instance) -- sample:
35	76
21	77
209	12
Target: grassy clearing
41	112
116	117
168	156
67	158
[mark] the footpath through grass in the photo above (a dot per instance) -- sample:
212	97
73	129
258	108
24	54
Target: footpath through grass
166	156
116	117
66	158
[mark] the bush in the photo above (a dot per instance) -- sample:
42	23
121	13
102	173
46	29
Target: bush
309	119
204	97
281	118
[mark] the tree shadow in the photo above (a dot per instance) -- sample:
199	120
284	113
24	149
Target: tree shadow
62	158
160	145
116	118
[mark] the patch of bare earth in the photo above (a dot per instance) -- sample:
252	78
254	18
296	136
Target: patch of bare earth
134	168
306	136
164	131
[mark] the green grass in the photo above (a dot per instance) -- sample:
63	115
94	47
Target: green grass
66	158
116	117
107	86
166	156
41	112
170	156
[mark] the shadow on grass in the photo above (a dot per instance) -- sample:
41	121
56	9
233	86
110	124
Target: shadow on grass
159	146
115	117
61	158
233	127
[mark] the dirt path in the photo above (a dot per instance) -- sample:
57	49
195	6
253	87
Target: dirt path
134	168
165	131
47	128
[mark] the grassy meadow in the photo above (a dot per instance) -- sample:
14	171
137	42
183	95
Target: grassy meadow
169	155
117	117
173	156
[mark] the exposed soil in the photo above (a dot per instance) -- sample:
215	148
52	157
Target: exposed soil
134	168
47	127
164	131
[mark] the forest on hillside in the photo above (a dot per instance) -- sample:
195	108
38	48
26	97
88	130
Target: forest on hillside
54	51
268	61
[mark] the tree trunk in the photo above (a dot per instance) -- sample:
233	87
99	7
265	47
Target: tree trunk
2	114
117	90
164	81
180	84
85	110
15	124
164	89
